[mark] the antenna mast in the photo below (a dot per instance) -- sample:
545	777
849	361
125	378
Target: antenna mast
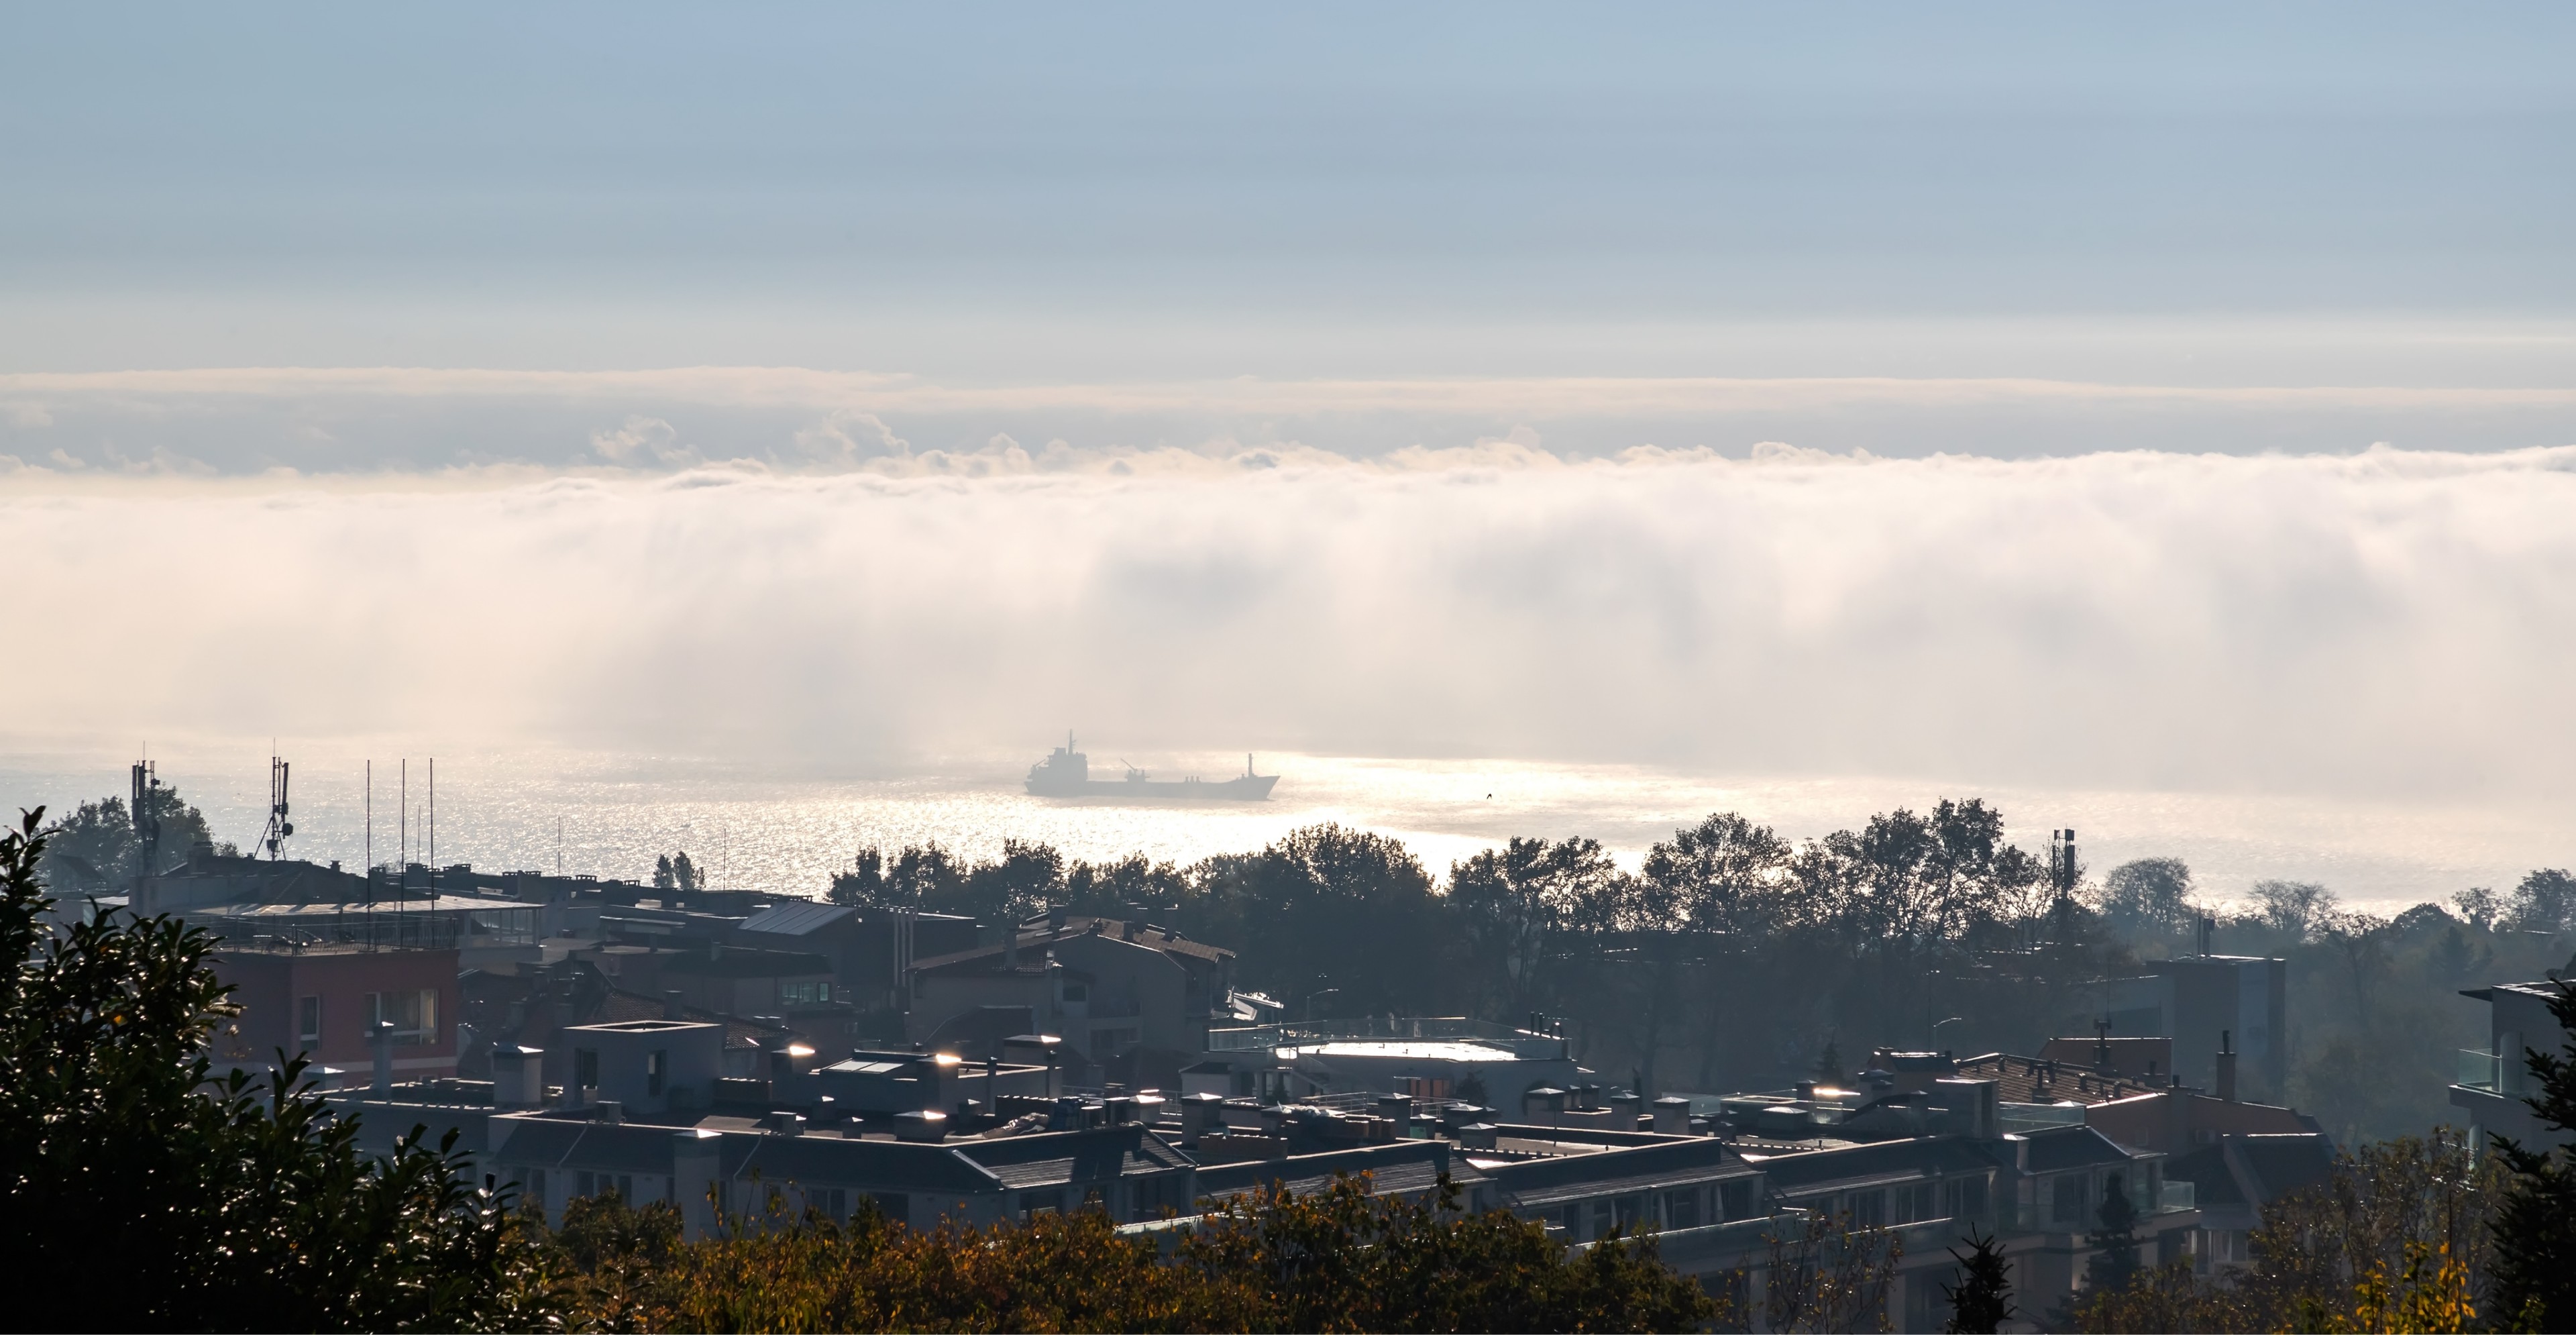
273	838
147	820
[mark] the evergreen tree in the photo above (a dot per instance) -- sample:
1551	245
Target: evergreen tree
662	877
1829	1063
2115	1243
1982	1300
684	874
2535	1230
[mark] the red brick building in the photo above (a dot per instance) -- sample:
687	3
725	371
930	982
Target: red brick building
322	1000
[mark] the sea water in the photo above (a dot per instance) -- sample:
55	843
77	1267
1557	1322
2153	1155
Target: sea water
786	830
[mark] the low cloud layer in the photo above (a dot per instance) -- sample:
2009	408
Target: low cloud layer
2386	623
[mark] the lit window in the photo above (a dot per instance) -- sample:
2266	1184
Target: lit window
414	1015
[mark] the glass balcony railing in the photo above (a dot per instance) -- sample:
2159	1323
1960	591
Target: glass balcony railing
2179	1196
2480	1070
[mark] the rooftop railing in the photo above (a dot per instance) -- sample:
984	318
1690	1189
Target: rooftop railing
1378	1028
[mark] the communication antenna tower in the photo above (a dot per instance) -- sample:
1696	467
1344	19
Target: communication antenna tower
146	811
279	827
2061	862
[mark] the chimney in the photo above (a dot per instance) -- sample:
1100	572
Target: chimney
1200	1113
673	1007
2226	1066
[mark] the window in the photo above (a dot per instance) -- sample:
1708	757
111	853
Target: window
1916	1202
1076	992
1600	1217
537	1186
1963	1198
585	1184
625	1188
832	1201
1869	1208
585	1068
414	1015
896	1206
1735	1200
1573	1222
1035	1203
805	994
308	1023
1681	1209
1632	1212
2066	1204
657	1067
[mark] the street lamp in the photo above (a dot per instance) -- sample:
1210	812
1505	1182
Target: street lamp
1936	1029
1310	1001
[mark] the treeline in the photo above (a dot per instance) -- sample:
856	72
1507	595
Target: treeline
1734	956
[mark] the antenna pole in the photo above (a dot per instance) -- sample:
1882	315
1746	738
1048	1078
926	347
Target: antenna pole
433	832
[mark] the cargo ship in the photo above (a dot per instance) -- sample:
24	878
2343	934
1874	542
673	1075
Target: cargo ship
1067	773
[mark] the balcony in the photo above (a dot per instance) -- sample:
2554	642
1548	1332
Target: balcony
2479	1070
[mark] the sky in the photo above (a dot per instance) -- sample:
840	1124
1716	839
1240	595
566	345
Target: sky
2177	399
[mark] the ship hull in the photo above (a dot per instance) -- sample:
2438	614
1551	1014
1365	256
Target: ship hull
1243	788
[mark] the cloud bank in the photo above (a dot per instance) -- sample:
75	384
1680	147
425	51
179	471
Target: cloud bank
2387	623
360	421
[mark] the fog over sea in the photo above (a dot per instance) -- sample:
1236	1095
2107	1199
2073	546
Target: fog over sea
763	828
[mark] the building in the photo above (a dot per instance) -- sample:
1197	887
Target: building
2493	1081
2207	1004
2139	1110
1427	1057
1131	999
743	1163
325	1001
870	949
2234	1177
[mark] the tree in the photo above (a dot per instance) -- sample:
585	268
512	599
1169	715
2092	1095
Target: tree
2535	1230
2148	897
2293	908
663	877
2544	902
2115	1243
2479	905
1982	1300
863	885
684	874
1341	1259
1828	1274
94	848
150	1197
